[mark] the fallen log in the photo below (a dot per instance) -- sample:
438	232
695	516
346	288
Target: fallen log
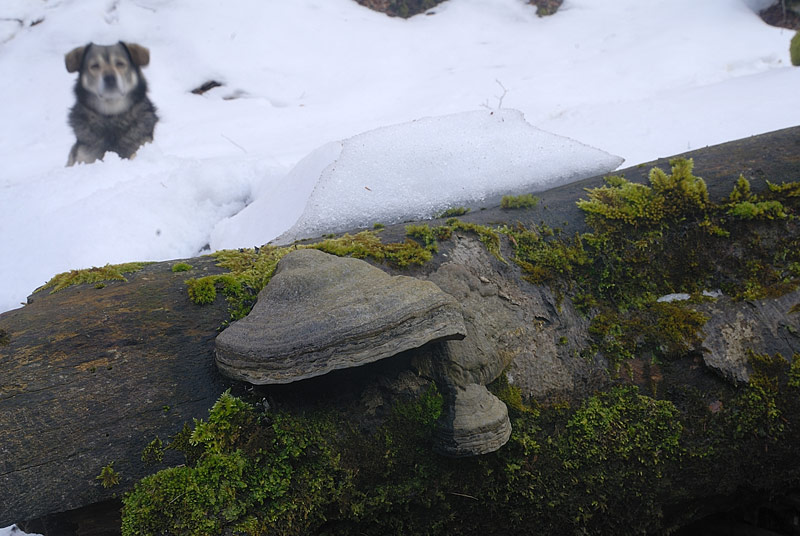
93	373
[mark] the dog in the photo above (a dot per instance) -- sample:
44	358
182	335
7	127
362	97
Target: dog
112	112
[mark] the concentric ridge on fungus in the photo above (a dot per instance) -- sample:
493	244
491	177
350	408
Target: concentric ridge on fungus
321	313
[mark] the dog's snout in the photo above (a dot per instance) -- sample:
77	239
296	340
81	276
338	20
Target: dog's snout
110	81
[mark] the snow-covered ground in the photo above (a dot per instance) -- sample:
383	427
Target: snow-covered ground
636	79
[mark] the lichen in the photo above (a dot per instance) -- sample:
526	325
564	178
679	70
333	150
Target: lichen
109	272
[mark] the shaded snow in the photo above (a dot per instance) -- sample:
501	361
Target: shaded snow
417	170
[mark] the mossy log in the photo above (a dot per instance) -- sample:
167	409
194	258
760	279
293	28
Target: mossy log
93	373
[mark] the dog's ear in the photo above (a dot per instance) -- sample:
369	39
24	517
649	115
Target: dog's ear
74	58
139	54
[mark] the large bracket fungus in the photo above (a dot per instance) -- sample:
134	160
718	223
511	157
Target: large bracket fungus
321	313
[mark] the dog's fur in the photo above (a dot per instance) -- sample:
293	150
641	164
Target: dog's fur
112	112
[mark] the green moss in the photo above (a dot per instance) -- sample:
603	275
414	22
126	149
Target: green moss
453	212
256	474
154	452
660	329
108	477
624	203
618	463
488	236
202	291
424	233
546	8
542	260
794	372
651	240
761	210
510	394
741	191
794	49
181	267
109	272
367	244
510	202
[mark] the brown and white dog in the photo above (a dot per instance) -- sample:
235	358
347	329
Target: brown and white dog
112	112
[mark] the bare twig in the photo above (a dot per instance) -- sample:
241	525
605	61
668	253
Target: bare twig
234	143
463	495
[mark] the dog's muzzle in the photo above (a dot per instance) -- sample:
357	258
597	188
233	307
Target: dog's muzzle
109	82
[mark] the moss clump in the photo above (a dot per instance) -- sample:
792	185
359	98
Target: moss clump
544	261
794	372
367	244
761	210
454	212
202	291
109	272
5	338
181	267
510	202
794	50
154	452
488	236
428	236
255	474
657	330
108	477
669	197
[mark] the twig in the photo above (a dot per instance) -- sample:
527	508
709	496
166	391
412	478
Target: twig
463	495
501	97
234	143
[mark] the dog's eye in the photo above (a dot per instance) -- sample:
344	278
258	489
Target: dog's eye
94	66
121	65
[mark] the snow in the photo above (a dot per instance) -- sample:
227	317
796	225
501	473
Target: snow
682	296
237	166
417	170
